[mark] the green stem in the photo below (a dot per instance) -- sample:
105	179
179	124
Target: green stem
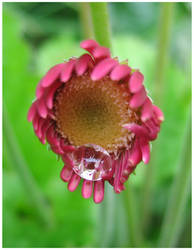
163	46
161	64
86	20
14	153
135	234
173	218
100	19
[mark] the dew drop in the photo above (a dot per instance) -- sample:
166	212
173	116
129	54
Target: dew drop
91	162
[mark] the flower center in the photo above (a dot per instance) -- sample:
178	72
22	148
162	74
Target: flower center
93	112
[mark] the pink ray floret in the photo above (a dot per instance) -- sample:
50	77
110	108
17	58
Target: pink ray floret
87	189
103	68
98	191
136	82
120	72
82	64
138	98
52	75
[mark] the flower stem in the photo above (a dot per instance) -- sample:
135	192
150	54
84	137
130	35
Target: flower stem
161	63
173	218
135	232
163	45
100	19
36	197
86	20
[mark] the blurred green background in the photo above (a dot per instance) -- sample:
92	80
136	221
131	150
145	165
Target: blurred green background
35	37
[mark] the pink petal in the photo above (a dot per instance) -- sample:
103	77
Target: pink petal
67	160
66	173
52	75
66	148
67	70
32	112
138	98
120	72
138	130
135	82
52	90
153	129
158	113
50	135
35	122
39	130
118	170
41	107
87	189
103	68
82	64
147	111
145	149
45	127
101	52
40	90
74	182
98	191
135	154
89	45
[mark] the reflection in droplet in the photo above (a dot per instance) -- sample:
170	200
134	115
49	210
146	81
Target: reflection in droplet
91	162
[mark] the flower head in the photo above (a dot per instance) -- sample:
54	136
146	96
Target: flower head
96	115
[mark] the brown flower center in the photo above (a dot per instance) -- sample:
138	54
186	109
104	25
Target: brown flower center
93	112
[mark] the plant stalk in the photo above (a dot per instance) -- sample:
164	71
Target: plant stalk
101	26
161	64
34	193
86	20
178	198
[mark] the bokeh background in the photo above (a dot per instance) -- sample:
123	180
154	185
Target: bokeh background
38	210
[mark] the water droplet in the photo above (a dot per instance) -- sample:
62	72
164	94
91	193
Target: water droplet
91	162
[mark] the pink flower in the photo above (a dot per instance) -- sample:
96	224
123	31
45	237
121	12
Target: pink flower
96	115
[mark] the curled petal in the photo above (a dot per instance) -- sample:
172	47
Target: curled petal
120	72
98	191
67	160
52	90
135	155
32	112
159	113
138	98
35	122
101	52
67	70
147	110
118	186
74	182
66	148
89	45
45	127
39	130
103	68
41	107
83	63
138	130
52	75
152	128
135	82
87	189
145	150
66	173
40	89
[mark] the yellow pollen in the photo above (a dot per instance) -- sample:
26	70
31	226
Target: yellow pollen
93	112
